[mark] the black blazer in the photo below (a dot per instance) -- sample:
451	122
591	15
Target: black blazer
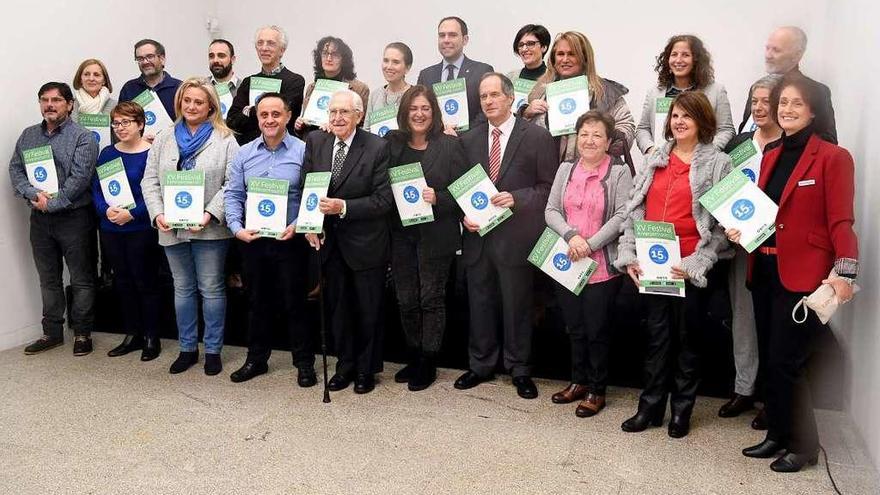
471	71
528	168
442	163
246	127
363	235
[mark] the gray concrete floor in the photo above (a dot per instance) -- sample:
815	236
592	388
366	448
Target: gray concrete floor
96	425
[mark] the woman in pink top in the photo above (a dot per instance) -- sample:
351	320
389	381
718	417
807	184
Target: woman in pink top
586	207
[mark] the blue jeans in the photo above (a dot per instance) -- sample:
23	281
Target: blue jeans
199	265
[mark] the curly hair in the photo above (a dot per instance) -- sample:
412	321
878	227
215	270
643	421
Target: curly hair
702	73
346	71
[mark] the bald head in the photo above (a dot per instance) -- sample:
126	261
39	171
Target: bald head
784	49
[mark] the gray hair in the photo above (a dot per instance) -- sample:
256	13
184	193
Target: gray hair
277	29
356	101
800	38
506	84
767	82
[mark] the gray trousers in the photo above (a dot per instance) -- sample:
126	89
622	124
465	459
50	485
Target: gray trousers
745	337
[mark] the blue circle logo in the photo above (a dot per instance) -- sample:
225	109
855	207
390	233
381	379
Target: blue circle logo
183	199
311	202
383	130
97	136
222	108
150	117
410	194
742	209
114	187
750	174
266	207
323	102
479	200
658	254
450	107
561	262
567	106
41	174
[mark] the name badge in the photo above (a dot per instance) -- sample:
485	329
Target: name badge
808	182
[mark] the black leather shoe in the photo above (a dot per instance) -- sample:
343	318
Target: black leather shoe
364	383
213	364
525	387
82	345
736	406
405	374
152	348
424	376
679	425
760	421
764	450
129	344
641	420
792	463
44	343
469	380
247	371
338	382
305	377
184	361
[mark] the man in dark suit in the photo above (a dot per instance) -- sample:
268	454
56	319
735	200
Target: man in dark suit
783	52
521	159
354	246
452	36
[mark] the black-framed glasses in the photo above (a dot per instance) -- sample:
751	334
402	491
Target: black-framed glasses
146	58
527	44
121	124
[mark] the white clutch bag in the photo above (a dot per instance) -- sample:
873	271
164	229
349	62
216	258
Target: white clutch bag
823	301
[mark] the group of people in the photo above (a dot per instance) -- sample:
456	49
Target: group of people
582	185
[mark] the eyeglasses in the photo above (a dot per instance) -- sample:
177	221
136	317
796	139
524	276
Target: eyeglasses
331	55
342	112
527	44
121	124
146	58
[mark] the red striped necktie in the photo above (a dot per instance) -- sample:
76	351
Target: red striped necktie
495	155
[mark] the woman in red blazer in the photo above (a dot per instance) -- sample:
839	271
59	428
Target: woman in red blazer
812	182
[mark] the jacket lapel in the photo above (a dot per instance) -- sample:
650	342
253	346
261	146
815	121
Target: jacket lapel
768	164
803	164
513	142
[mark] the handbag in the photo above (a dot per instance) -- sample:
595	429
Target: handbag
823	301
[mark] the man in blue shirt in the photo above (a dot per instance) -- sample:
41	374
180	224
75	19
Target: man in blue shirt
275	270
150	57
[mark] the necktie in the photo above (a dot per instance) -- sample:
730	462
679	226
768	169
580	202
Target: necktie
450	72
495	155
338	159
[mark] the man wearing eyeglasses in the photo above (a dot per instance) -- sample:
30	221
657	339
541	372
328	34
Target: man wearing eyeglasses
150	57
354	246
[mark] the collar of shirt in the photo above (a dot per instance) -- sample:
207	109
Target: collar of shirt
275	71
348	141
165	81
285	143
457	64
233	81
58	129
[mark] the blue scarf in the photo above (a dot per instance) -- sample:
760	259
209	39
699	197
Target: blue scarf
188	143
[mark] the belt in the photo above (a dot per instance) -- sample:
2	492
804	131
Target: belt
770	251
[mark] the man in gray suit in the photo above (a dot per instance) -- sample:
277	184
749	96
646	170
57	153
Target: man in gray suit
452	36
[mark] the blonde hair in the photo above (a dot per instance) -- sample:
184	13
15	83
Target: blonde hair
214	114
583	51
77	78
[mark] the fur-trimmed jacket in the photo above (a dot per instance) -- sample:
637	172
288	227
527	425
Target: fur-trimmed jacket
708	166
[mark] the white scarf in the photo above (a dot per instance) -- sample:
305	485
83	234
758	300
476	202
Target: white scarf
89	104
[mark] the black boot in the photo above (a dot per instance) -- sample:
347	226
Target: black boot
680	418
644	417
792	462
424	376
184	361
129	343
764	450
152	348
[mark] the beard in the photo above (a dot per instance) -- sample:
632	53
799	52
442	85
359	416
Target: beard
220	71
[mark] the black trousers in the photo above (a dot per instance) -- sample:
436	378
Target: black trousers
354	302
501	303
674	326
275	276
587	319
66	237
788	347
134	258
420	283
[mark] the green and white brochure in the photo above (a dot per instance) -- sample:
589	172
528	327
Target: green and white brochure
266	206
225	97
183	196
98	124
472	192
550	254
521	90
661	111
383	120
567	100
452	98
407	184
114	184
737	203
310	219
318	109
39	163
154	113
747	158
260	85
658	251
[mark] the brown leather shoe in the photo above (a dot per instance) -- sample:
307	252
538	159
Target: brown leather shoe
590	406
570	394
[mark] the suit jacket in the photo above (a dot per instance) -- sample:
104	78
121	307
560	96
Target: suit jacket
363	235
246	126
442	163
471	71
814	225
528	168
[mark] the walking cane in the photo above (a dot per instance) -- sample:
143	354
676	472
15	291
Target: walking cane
323	324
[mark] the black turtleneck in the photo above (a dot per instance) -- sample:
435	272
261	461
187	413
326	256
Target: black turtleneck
533	74
792	149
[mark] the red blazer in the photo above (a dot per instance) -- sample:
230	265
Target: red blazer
814	226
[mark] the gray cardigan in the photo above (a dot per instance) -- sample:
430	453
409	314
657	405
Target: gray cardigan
708	166
214	158
717	95
616	183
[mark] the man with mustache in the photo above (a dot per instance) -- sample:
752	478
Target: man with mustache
221	57
150	57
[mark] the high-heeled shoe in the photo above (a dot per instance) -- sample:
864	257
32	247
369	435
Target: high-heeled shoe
152	349
793	462
764	450
679	425
642	419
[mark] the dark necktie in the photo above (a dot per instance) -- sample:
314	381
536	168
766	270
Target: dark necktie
450	72
338	160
